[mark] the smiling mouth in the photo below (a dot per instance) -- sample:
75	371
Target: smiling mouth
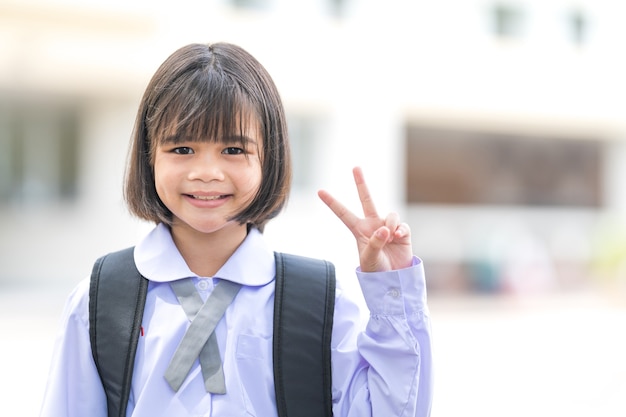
208	197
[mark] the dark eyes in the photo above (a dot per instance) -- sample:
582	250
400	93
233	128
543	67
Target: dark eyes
231	150
185	150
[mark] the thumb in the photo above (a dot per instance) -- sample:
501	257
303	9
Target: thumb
370	261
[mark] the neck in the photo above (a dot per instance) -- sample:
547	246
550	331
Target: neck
206	253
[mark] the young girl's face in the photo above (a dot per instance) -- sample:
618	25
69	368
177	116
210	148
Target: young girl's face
205	183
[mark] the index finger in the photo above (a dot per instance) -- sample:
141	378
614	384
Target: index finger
345	215
369	209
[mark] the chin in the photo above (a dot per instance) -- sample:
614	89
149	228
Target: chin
211	228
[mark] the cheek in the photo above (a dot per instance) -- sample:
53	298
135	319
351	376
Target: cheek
254	180
160	180
249	186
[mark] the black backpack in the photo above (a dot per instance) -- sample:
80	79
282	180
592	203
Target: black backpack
303	317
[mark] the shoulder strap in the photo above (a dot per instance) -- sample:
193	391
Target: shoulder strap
303	318
117	295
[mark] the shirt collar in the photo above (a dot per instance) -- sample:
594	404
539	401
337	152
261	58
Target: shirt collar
158	259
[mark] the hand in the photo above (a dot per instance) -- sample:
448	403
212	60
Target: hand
384	244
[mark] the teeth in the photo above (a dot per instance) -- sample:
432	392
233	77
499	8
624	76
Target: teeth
207	197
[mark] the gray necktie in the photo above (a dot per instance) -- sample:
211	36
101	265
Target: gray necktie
200	340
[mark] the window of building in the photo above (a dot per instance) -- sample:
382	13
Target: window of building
508	20
463	167
38	153
338	8
305	135
251	4
578	26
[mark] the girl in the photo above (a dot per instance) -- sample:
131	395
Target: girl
210	166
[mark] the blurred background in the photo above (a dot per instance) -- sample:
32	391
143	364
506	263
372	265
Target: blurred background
497	129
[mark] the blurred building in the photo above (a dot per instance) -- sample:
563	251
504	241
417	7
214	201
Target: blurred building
496	128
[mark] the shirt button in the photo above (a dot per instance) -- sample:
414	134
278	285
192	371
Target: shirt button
203	285
394	292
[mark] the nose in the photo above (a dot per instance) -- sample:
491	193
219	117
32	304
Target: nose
206	168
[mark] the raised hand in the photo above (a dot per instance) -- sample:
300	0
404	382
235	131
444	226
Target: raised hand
383	244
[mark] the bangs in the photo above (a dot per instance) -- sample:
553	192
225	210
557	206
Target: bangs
198	108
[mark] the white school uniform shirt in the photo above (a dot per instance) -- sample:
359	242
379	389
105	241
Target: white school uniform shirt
382	368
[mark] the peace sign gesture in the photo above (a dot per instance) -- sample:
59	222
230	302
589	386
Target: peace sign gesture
383	244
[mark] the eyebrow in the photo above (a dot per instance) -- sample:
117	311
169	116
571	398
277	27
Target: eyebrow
230	139
246	140
173	139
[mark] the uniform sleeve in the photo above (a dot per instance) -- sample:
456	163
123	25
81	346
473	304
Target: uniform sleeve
74	388
384	368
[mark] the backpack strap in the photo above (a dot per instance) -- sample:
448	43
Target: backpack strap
117	294
303	320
